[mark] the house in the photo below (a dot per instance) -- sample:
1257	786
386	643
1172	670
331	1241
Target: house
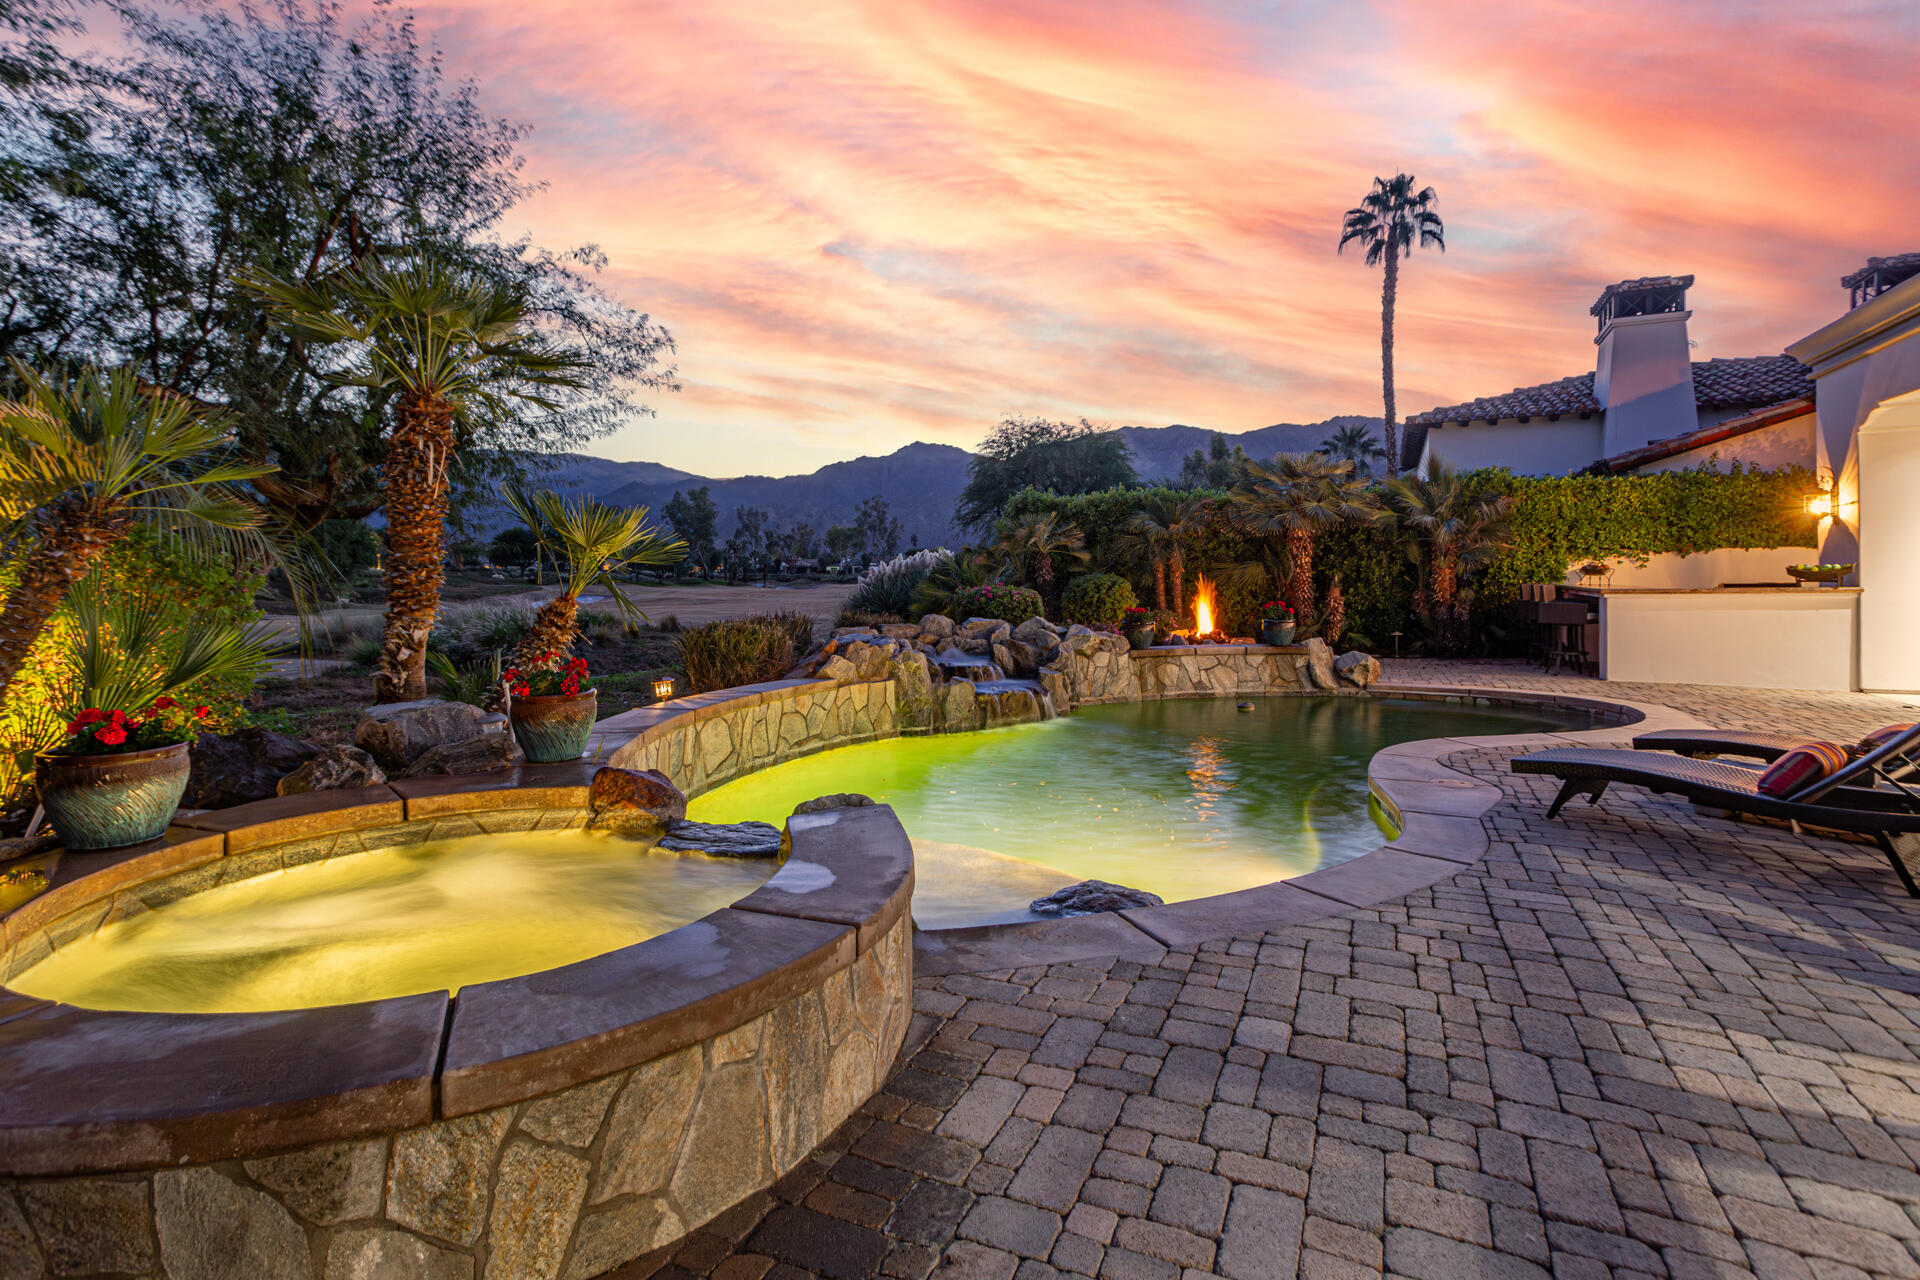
1647	404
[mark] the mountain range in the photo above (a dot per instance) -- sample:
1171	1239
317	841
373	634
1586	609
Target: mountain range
921	482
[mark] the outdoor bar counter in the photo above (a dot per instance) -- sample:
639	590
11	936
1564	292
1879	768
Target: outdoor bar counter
1768	637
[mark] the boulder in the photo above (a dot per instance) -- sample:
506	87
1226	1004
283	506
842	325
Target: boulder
838	800
482	754
1036	633
399	733
1357	668
1090	897
900	630
1320	665
937	626
237	768
334	769
980	626
723	839
957	706
1053	683
634	802
836	668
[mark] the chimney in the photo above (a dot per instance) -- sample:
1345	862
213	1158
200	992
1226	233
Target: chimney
1880	275
1643	377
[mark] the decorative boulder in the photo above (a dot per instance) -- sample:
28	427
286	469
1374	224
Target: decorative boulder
398	733
1357	668
237	768
1090	897
838	800
937	626
634	802
334	769
836	668
723	839
482	754
1320	665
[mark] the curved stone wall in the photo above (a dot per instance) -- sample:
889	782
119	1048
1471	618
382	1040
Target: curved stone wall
557	1124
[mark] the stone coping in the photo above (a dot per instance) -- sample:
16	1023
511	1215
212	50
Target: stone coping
92	1091
1435	809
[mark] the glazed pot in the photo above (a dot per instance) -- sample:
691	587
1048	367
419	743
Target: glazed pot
104	802
553	727
1141	637
1276	632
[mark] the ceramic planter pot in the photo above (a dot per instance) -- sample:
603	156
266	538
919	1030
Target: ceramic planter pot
554	727
1141	637
104	802
1276	632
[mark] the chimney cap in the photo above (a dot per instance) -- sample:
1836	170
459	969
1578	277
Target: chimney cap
1880	275
1645	284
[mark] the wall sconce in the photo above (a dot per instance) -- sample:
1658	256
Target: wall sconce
663	688
1820	505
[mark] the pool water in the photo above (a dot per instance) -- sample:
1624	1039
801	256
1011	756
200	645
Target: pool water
392	922
1181	798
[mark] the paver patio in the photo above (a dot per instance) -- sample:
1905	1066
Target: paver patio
1634	1042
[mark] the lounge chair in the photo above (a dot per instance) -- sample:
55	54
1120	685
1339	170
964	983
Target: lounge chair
1707	743
1849	799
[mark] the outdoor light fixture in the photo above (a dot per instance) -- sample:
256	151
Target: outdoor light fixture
1824	503
663	688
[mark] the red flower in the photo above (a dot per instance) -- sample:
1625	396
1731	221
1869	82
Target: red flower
75	727
164	703
203	712
112	736
118	718
92	715
511	673
570	686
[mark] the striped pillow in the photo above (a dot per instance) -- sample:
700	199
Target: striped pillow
1880	738
1801	767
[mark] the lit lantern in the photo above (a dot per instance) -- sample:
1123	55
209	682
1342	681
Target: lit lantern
663	688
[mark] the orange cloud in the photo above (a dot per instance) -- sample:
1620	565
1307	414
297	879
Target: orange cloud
867	223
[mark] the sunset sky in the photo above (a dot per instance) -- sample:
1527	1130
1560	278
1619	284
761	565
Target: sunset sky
871	223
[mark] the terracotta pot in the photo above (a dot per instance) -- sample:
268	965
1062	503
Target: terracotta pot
104	802
1276	632
554	727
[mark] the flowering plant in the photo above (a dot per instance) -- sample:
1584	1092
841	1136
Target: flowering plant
103	731
547	676
1276	611
1135	616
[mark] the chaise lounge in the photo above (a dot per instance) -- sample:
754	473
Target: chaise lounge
1865	796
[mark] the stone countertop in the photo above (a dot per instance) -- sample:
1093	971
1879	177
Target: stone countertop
1785	589
91	1091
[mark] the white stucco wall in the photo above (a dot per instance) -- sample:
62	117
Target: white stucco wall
1533	448
1706	569
1784	444
1889	482
1799	639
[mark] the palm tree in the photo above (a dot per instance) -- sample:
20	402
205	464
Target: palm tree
591	542
1356	444
1294	497
1389	221
456	349
1033	542
1151	537
1458	532
83	459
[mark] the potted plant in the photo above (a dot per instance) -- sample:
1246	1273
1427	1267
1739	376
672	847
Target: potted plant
1137	624
1276	622
552	707
117	777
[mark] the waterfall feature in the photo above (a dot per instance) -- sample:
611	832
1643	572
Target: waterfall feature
1011	701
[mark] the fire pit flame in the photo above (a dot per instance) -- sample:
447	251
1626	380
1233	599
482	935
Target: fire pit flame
1202	608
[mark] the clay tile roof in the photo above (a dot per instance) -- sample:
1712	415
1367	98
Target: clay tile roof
1892	264
1567	397
1732	383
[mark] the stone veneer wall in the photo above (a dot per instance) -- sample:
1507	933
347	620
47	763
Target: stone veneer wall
569	1185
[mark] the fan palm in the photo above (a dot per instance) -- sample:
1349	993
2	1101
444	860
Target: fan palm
590	542
1356	444
134	648
83	458
1294	497
456	348
1033	542
1457	531
1388	222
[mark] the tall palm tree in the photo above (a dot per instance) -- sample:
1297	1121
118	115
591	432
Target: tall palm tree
1035	541
83	458
591	543
1293	498
1356	444
455	349
1151	536
1457	531
1389	221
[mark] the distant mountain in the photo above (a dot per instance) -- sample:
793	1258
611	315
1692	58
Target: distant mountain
921	482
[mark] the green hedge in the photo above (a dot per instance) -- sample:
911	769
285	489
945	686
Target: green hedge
1097	599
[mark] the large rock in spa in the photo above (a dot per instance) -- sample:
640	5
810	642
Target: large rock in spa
1320	665
334	769
399	733
723	839
1357	668
238	768
1091	897
639	803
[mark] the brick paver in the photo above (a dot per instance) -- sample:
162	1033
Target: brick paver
1636	1042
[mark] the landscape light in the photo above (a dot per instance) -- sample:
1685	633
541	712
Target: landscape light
663	688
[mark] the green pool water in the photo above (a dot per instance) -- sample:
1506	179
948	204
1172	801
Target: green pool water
1183	798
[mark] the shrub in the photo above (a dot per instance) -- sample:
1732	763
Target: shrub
466	633
797	625
888	586
1097	599
720	655
997	600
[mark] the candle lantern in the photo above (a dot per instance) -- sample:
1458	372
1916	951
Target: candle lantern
663	688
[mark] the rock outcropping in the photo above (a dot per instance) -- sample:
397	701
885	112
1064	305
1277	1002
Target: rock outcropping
334	769
638	803
1090	897
238	768
398	734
